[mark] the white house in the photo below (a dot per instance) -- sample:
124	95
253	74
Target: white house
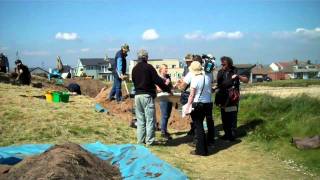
95	67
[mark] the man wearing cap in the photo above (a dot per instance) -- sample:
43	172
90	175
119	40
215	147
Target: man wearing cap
145	78
119	68
188	60
24	76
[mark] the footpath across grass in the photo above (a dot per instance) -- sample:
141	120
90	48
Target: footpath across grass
275	121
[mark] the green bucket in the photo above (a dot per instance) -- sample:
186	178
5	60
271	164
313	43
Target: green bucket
56	96
64	97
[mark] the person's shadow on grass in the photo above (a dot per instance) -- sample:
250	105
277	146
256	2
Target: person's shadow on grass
219	144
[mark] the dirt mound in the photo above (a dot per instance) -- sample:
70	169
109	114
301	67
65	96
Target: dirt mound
67	161
124	110
89	87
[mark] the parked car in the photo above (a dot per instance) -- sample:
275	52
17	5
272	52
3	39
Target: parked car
268	79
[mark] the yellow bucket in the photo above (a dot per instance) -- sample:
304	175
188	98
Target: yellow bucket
48	96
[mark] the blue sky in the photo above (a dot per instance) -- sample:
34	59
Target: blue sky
248	31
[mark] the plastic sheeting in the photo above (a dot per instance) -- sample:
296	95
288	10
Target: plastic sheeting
134	161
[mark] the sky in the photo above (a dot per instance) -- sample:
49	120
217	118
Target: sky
254	31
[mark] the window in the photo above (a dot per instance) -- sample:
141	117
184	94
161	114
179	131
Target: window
103	68
173	66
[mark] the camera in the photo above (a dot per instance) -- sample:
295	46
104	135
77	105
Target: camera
209	62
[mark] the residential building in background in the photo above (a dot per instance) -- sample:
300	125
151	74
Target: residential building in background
294	70
98	68
260	73
38	71
175	68
245	70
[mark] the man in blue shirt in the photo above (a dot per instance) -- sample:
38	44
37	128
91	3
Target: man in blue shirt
119	67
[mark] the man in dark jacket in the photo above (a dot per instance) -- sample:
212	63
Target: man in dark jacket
119	68
4	63
228	80
24	76
144	78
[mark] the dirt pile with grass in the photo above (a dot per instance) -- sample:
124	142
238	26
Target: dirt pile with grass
124	110
89	87
67	161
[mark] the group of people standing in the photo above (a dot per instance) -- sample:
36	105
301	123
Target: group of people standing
196	83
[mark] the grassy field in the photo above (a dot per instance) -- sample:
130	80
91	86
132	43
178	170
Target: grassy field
26	118
289	83
278	120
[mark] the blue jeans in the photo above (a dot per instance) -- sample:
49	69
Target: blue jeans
165	108
146	118
116	88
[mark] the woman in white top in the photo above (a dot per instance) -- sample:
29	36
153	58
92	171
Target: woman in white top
165	106
200	101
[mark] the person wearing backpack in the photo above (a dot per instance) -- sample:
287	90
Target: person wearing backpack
227	96
200	102
119	68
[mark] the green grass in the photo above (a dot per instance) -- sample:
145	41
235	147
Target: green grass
29	120
278	120
288	83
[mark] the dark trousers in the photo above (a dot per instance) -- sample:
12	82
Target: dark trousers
165	108
116	88
209	121
201	138
3	69
229	123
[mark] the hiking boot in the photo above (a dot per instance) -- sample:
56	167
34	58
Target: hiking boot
110	99
194	152
166	135
133	123
228	138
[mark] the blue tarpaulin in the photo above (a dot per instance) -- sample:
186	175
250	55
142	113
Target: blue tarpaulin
134	161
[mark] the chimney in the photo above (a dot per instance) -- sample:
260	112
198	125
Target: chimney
295	61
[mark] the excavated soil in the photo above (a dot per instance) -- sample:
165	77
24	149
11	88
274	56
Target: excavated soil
99	90
124	110
67	161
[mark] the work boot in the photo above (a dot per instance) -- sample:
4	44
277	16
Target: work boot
166	135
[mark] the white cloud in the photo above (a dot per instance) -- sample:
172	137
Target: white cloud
300	33
198	35
150	34
85	49
67	36
114	49
35	53
194	35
